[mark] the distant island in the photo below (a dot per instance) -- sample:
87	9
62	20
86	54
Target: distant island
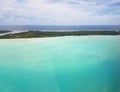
3	31
37	34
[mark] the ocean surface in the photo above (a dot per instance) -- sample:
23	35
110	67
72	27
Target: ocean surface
60	64
63	28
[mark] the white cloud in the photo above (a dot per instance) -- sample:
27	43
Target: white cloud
50	12
115	1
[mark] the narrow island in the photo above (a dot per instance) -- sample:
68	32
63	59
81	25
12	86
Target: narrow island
37	34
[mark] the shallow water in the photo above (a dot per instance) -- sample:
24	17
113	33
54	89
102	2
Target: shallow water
60	64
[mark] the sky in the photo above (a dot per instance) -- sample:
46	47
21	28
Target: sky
59	12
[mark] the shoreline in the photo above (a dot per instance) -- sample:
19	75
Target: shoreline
41	34
48	38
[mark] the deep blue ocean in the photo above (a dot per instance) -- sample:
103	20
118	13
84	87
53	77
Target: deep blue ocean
63	28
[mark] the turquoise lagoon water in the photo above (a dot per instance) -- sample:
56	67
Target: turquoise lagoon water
60	64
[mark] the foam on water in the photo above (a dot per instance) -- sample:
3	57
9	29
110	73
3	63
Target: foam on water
60	64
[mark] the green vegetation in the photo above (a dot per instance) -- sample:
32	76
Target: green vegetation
36	34
3	31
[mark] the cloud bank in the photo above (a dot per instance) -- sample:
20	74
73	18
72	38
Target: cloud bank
59	12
